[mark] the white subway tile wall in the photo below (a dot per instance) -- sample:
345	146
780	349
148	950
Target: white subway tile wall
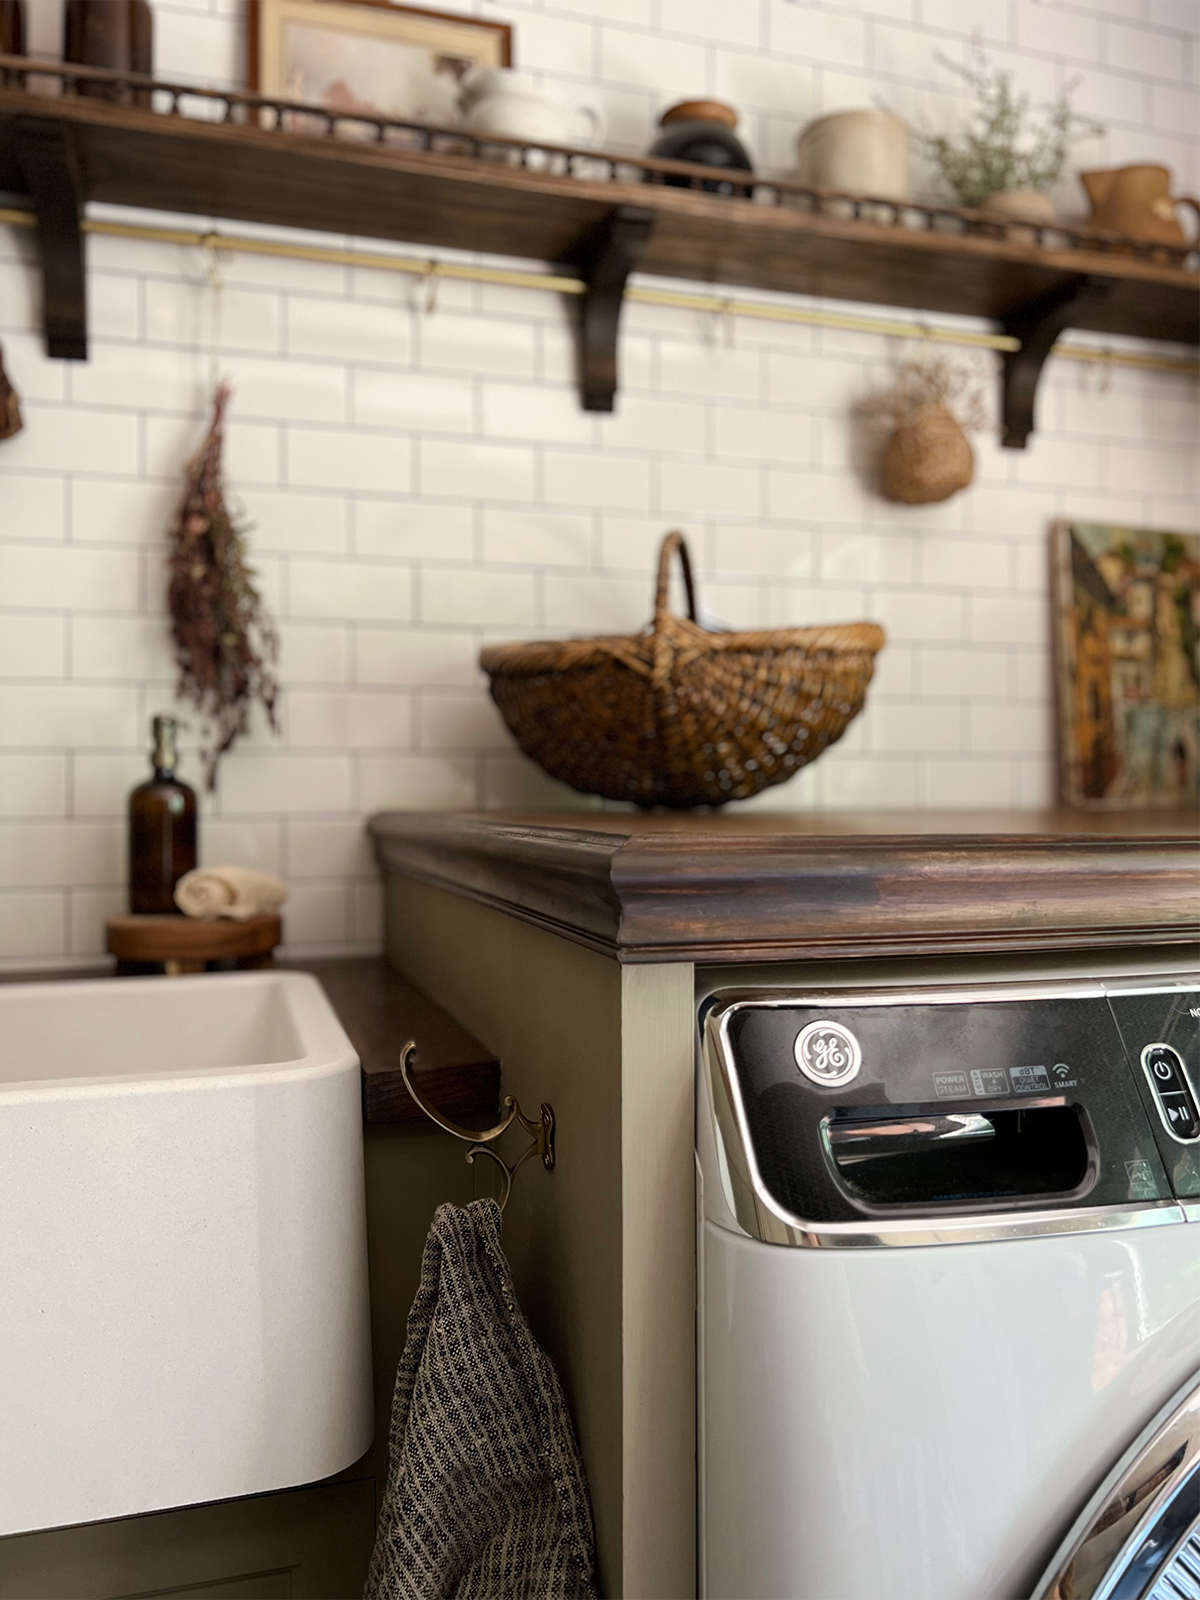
421	482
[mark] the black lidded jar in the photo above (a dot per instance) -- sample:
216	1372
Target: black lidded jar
701	131
12	27
162	829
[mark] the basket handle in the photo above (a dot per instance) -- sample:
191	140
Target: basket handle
672	544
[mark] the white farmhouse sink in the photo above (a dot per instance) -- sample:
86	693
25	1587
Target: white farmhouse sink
183	1265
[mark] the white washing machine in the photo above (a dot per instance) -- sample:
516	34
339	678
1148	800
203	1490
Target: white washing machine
949	1289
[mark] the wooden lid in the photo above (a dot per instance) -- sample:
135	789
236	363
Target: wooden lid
700	111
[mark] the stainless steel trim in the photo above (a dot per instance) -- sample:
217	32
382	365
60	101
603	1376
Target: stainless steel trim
1157	1092
851	1141
1109	1530
761	1216
1159	983
993	1227
959	994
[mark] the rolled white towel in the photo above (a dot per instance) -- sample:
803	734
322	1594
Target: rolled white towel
237	892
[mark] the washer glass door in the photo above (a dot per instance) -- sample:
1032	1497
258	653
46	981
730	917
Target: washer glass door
1138	1538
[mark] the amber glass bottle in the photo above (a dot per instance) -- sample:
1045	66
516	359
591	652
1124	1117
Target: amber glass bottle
117	34
12	27
162	828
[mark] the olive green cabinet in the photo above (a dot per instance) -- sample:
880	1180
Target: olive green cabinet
302	1544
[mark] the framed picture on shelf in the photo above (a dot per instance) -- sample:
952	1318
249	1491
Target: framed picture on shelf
1127	611
369	57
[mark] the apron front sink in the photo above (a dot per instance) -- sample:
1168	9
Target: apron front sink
182	1244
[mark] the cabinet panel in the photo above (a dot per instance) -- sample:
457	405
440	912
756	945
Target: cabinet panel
250	1586
302	1544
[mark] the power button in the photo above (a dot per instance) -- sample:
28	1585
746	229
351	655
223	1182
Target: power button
1164	1071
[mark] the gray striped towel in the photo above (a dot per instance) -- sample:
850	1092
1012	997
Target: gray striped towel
485	1498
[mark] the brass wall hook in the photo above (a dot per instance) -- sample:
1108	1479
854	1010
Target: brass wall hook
541	1130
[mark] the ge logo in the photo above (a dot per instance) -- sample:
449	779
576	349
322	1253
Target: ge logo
827	1053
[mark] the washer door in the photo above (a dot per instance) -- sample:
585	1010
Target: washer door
1138	1537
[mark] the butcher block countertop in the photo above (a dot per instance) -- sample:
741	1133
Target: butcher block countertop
764	886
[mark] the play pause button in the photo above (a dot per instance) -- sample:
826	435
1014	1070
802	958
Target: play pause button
1180	1115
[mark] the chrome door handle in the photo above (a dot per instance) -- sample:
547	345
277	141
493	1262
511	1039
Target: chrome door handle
852	1141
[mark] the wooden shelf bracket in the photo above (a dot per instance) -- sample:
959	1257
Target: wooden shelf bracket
51	173
606	258
1037	326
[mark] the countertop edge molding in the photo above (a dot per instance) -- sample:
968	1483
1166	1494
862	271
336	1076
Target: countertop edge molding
553	875
649	896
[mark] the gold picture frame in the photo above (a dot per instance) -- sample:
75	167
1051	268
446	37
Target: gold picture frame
369	57
1127	625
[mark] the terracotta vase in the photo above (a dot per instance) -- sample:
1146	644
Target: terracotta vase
1137	201
1021	205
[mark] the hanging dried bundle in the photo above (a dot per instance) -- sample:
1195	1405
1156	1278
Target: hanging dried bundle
226	645
10	410
927	456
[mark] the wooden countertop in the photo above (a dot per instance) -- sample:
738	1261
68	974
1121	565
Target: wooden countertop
766	886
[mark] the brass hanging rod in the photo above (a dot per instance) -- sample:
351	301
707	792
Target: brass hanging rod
720	305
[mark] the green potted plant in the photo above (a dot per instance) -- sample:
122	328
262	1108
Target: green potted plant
1004	160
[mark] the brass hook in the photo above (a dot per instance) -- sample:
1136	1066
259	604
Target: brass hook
214	271
431	286
541	1131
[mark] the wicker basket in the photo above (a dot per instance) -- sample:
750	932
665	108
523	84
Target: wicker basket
678	716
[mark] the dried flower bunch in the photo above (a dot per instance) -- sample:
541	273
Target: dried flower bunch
927	456
999	149
226	645
10	408
938	381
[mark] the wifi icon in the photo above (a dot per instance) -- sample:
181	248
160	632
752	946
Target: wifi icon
1061	1071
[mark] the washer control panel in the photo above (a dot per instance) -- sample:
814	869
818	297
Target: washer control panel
1164	1069
1070	1093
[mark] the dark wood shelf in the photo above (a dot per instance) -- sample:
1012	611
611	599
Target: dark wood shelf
381	1011
597	216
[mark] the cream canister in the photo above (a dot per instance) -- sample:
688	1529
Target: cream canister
864	151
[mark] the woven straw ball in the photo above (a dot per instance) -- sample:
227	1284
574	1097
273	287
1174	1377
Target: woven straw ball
927	458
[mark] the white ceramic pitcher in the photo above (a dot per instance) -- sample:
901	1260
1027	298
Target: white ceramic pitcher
496	100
